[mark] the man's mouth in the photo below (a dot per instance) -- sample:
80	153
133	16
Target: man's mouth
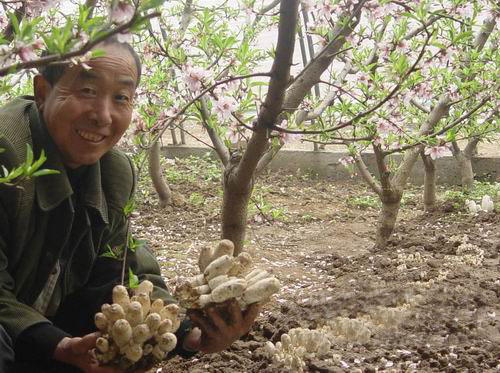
89	136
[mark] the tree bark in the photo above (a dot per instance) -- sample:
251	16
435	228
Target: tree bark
311	74
391	188
429	182
464	159
154	167
240	172
391	201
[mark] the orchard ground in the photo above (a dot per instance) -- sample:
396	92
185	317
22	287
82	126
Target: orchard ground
430	299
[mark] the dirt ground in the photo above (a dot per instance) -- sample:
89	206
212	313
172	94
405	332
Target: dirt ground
429	302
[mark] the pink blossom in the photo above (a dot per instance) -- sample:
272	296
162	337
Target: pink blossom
171	112
122	12
346	161
385	50
139	125
436	152
444	56
388	8
36	7
385	128
249	14
124	37
326	9
232	133
37	44
3	21
307	5
224	107
193	77
395	146
401	45
26	53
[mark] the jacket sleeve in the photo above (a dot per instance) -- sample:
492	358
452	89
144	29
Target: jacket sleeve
15	316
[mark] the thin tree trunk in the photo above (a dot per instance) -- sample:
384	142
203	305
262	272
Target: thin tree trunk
162	188
240	172
392	187
174	136
464	159
235	207
429	183
154	154
391	201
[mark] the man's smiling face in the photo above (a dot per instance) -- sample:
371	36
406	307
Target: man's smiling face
86	112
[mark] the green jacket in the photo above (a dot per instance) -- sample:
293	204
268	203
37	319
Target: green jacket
37	219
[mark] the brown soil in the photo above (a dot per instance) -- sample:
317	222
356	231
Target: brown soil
437	282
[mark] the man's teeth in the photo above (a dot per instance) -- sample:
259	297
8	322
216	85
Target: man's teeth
90	136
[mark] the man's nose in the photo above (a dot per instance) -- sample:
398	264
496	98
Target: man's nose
103	112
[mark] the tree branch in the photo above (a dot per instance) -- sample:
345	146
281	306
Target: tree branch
367	176
218	145
65	56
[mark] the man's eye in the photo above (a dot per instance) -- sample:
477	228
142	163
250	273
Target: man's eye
123	98
88	91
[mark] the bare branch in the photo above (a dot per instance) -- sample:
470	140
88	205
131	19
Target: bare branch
419	106
219	146
367	176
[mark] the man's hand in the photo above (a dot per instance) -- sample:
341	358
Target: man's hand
77	351
217	332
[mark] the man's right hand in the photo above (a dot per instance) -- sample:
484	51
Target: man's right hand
77	351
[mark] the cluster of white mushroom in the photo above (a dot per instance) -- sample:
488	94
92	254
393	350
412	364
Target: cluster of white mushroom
134	327
487	205
297	344
224	277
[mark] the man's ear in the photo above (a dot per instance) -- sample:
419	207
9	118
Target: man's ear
42	89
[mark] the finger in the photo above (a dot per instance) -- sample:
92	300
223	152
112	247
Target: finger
199	320
234	312
216	318
251	314
84	344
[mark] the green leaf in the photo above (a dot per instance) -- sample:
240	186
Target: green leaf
129	207
14	22
133	280
150	4
44	172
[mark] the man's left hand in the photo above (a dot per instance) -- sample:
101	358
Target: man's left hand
215	332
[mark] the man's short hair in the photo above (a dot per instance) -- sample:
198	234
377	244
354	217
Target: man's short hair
53	72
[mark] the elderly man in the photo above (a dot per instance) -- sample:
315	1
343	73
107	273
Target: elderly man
53	229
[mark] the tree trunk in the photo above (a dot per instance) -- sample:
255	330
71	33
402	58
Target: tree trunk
429	183
240	172
154	167
391	201
466	172
464	159
234	211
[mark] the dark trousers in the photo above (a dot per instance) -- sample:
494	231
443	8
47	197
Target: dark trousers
6	352
75	316
9	365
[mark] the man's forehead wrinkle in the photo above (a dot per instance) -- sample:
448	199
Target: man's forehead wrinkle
122	68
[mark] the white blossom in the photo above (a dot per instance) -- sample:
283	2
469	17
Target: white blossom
224	107
193	77
436	152
122	12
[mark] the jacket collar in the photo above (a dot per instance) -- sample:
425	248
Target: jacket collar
52	190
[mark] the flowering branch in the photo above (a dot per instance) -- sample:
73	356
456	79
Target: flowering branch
66	56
